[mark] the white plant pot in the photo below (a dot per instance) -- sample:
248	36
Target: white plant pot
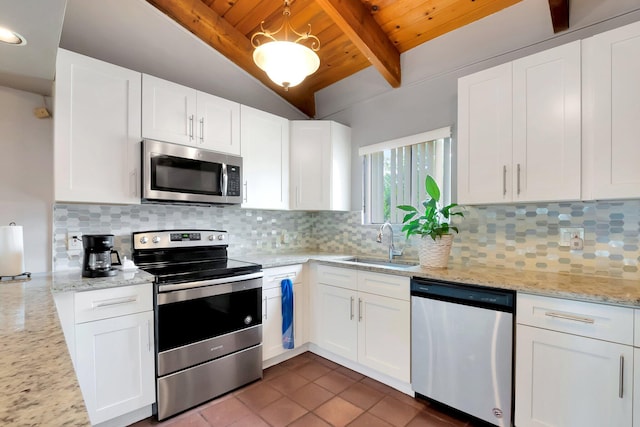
435	253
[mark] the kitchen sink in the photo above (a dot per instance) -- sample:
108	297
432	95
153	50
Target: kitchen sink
396	263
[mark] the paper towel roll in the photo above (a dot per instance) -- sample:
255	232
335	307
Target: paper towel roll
11	250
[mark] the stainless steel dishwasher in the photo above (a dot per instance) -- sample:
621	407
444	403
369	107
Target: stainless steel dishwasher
462	347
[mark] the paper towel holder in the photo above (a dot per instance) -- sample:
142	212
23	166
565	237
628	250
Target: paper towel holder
26	274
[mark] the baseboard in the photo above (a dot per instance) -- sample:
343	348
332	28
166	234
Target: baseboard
364	370
129	418
285	356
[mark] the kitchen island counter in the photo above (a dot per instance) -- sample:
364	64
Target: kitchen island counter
39	385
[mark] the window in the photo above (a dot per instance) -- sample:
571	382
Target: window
394	173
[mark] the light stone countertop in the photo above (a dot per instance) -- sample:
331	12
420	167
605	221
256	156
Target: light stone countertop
606	290
38	383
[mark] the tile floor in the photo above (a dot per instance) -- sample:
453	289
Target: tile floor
310	391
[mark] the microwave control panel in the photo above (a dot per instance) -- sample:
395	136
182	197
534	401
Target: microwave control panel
234	182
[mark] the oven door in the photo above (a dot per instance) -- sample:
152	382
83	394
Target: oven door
207	322
186	174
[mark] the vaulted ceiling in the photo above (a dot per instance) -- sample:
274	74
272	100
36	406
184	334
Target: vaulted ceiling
354	34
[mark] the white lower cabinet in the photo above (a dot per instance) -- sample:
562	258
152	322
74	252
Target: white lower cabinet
114	350
372	329
272	309
568	372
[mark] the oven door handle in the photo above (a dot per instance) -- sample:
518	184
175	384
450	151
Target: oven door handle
206	288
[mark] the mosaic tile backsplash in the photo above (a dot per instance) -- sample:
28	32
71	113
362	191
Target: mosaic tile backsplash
523	236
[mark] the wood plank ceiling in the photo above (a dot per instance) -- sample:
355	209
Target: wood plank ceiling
354	34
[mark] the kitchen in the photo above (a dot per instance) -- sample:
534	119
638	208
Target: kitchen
489	234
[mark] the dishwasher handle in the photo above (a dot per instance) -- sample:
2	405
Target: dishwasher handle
461	293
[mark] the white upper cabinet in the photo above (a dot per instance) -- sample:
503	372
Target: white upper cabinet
519	130
179	114
484	136
320	165
546	125
265	159
611	69
96	131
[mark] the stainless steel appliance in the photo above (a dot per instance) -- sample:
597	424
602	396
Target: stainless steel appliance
208	316
183	174
98	252
462	347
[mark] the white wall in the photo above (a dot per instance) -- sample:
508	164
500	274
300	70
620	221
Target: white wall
26	172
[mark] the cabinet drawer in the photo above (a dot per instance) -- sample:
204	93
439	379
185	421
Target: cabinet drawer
335	276
112	302
384	284
274	276
592	320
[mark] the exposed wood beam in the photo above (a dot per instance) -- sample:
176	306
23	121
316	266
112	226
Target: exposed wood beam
352	17
559	14
214	30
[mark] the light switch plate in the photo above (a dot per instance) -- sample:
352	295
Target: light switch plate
566	234
74	242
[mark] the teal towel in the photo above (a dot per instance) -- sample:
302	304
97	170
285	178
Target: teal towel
287	313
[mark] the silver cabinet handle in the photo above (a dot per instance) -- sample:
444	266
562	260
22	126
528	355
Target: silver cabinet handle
114	301
351	310
133	183
202	130
191	127
621	379
518	179
149	335
246	188
570	317
359	309
266	314
504	180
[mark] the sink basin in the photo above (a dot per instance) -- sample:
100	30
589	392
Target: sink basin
396	263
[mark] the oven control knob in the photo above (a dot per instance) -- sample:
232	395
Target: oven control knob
220	236
155	239
248	320
211	237
144	240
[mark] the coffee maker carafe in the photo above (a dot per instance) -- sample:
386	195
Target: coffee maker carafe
98	250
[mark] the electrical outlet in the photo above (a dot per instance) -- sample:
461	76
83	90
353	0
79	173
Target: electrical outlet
571	233
74	242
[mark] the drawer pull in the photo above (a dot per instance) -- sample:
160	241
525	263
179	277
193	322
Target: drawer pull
621	379
114	301
359	309
283	276
351	312
570	317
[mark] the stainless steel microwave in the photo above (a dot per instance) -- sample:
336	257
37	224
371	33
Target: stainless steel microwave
173	173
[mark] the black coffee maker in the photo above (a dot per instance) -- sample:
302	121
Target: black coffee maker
98	252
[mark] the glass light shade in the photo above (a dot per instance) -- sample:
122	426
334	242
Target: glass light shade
10	37
286	63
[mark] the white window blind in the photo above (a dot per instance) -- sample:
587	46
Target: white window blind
395	172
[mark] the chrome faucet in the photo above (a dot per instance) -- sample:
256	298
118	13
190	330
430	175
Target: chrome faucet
392	250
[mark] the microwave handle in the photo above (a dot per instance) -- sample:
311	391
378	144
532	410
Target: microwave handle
224	179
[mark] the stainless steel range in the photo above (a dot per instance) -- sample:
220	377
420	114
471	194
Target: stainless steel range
208	311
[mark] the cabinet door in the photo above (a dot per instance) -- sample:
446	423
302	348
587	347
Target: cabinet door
115	365
636	387
612	112
384	338
336	321
272	323
310	165
96	132
546	125
265	157
218	126
484	136
168	111
566	380
300	308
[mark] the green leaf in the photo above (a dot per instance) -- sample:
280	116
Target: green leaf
407	208
432	188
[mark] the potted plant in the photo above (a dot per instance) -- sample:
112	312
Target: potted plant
432	225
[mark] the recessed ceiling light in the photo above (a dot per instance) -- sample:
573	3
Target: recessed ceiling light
10	37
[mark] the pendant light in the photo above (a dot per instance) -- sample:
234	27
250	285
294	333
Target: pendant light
286	62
